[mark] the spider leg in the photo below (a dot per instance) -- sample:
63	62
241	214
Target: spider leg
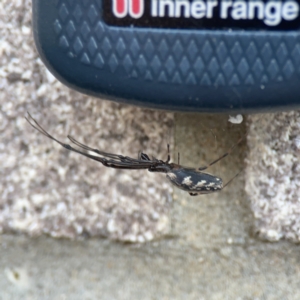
213	162
224	155
139	155
106	154
169	157
230	180
120	162
87	148
144	156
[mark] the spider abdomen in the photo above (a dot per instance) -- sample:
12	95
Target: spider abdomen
194	182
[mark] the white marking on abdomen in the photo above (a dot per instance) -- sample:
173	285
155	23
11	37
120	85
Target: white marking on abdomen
187	180
200	183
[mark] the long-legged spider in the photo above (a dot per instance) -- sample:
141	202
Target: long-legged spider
192	180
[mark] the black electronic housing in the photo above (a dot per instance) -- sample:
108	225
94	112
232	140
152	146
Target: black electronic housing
212	65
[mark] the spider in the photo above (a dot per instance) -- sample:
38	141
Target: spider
191	180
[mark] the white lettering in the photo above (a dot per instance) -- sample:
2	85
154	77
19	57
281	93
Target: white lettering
154	8
182	5
239	10
210	7
290	10
225	5
198	9
258	6
273	13
166	5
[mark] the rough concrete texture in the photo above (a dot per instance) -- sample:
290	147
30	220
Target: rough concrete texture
209	253
39	179
273	175
45	188
205	246
35	269
204	220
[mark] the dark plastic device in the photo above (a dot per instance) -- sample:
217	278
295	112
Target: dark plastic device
185	55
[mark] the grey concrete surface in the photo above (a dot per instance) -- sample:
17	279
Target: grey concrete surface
219	217
202	247
273	175
46	268
45	188
209	253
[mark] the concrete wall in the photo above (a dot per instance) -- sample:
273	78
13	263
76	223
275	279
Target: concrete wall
205	247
